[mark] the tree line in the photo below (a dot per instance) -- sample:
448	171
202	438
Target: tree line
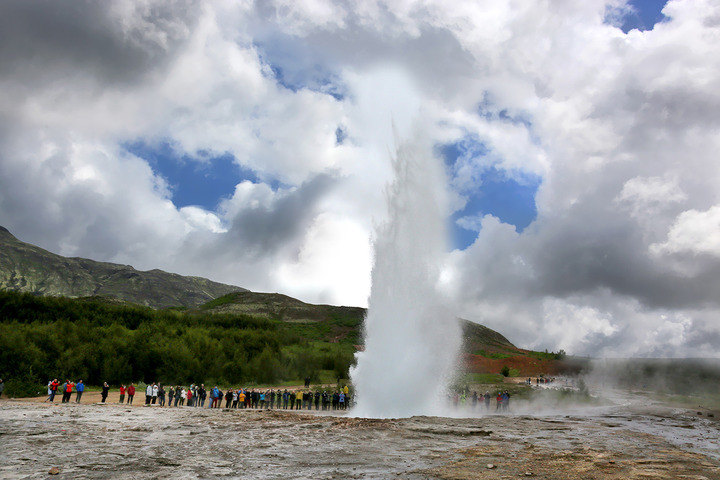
99	341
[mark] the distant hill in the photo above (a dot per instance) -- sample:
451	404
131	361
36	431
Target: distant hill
30	269
278	307
484	350
487	351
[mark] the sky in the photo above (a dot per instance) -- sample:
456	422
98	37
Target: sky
251	143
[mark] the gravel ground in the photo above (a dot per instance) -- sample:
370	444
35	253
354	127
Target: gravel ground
116	441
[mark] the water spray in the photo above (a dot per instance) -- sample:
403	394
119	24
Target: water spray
411	337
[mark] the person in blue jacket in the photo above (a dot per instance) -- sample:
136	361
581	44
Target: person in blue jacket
79	389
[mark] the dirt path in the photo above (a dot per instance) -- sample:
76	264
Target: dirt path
113	441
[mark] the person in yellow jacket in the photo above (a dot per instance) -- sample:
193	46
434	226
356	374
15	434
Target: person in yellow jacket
241	399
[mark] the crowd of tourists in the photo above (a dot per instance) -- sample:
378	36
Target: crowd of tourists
540	380
199	396
465	398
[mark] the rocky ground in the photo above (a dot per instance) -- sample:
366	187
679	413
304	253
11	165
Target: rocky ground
114	441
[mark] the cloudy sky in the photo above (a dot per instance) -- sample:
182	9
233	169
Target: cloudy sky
250	142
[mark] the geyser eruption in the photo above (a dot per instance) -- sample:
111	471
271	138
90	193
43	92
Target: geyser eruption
411	338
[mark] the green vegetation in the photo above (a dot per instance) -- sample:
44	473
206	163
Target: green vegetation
560	355
97	340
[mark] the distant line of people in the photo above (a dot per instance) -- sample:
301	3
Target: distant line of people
540	380
197	395
463	398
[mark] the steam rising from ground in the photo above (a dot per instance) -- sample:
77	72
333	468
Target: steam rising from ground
411	338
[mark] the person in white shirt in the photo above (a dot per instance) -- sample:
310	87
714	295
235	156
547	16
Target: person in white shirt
148	394
183	396
154	393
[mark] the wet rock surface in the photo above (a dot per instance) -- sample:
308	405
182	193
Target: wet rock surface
112	441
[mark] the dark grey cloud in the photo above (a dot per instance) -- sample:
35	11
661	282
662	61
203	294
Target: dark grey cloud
601	249
262	230
45	42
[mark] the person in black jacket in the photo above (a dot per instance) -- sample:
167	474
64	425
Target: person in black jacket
105	391
202	395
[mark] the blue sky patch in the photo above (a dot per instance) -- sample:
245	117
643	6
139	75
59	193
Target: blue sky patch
508	196
509	199
192	181
645	14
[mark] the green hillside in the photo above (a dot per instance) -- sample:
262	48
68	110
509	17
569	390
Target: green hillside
30	269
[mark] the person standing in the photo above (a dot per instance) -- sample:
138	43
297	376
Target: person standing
79	389
216	397
52	390
63	388
148	394
131	393
67	391
154	393
122	394
202	395
161	395
105	391
190	397
2	387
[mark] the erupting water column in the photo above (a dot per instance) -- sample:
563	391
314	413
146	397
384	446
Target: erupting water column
411	338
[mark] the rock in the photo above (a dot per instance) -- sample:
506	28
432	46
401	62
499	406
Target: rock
528	474
700	413
490	466
54	471
711	414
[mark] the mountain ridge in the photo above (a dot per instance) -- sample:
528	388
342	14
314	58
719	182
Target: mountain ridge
27	268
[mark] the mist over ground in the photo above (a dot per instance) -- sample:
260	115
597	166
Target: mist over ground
671	376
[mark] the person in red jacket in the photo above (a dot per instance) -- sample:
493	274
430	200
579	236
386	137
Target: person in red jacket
68	391
130	393
122	394
52	390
